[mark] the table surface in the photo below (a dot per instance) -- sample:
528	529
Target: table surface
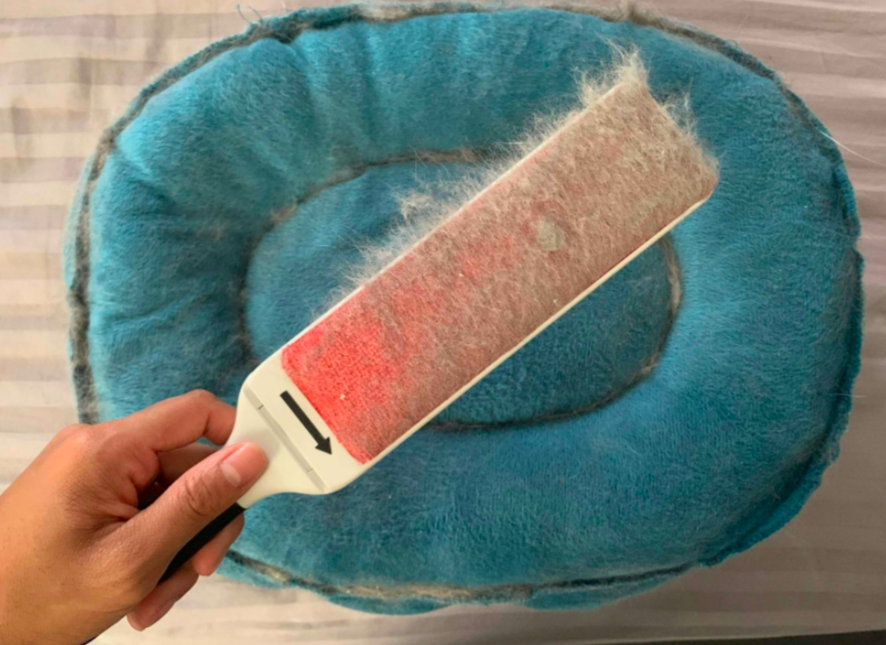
68	68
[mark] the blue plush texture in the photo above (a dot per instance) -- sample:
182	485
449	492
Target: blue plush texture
195	273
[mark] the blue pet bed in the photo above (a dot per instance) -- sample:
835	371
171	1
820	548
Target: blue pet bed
680	414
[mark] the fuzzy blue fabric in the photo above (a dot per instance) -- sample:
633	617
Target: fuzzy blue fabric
630	442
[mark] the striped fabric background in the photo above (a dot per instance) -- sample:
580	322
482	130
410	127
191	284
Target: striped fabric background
67	68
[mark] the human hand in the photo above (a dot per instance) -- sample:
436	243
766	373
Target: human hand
90	526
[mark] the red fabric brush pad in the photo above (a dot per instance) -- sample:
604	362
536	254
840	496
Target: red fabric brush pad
498	270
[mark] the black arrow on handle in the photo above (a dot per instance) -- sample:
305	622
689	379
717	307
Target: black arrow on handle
323	443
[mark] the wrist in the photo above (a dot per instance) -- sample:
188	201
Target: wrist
24	621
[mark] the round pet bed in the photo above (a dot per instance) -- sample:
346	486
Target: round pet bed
683	412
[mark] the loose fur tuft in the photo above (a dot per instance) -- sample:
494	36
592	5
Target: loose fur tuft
427	207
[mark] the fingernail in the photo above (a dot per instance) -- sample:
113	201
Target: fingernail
160	612
217	563
135	623
244	464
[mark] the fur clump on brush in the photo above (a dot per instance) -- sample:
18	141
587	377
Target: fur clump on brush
425	209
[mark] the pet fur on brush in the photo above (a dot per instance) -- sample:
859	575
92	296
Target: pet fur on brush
425	209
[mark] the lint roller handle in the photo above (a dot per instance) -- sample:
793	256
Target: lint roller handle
202	539
287	470
279	433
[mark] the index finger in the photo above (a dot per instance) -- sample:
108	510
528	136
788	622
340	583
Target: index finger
182	420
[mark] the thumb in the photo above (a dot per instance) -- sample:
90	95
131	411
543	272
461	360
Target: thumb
198	497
